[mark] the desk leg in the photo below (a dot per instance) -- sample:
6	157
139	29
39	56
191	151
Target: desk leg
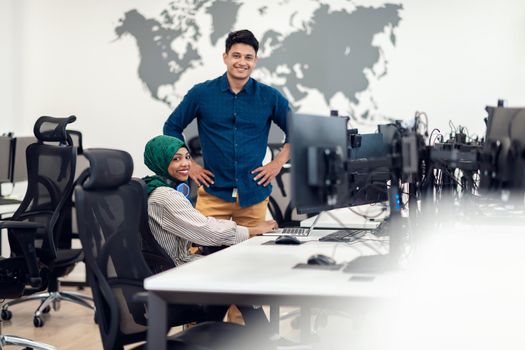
275	319
157	322
305	321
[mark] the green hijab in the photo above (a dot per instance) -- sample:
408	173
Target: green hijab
158	154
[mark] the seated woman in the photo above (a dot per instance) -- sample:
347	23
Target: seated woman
174	222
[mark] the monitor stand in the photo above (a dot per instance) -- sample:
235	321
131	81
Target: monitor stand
387	262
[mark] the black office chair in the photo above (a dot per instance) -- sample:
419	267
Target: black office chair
112	216
51	171
19	272
280	205
70	234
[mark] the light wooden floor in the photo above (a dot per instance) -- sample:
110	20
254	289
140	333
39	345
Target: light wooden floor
72	326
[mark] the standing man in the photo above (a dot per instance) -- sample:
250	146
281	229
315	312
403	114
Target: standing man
234	113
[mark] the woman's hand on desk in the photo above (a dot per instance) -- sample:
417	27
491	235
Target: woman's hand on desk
266	226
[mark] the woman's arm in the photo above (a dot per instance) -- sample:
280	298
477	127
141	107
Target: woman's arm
173	213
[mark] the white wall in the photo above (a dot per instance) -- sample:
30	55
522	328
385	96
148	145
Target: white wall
71	66
8	64
455	57
451	59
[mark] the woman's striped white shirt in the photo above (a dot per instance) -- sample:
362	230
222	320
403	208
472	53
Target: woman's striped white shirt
175	224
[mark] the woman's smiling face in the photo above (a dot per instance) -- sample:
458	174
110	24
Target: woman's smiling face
180	164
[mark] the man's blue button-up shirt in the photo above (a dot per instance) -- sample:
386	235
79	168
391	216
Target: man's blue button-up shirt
233	132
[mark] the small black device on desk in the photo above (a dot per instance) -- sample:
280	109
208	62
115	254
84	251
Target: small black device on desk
320	259
287	239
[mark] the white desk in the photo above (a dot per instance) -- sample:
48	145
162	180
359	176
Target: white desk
6	210
254	274
467	288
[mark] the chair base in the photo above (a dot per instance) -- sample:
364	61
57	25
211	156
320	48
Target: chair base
48	300
17	341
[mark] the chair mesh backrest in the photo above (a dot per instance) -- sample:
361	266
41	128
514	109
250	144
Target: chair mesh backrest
280	205
50	174
156	257
50	129
110	209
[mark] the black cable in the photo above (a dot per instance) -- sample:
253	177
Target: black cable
440	137
370	174
451	175
402	192
431	133
452	126
376	186
366	216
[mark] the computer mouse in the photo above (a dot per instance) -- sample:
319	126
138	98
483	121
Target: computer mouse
286	239
320	259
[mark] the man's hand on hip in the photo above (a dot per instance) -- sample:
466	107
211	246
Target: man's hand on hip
200	175
266	173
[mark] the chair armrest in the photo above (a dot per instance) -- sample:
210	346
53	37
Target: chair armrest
75	235
25	237
140	297
23	225
31	214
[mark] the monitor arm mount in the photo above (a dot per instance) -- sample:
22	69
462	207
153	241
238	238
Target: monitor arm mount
325	171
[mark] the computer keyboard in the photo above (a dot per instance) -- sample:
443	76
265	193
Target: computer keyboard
345	236
295	231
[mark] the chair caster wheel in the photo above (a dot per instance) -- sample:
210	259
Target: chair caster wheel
56	305
6	315
38	322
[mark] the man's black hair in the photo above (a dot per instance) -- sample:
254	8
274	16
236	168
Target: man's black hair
243	36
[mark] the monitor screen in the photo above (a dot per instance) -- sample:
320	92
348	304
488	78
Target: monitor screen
365	186
20	166
5	159
318	152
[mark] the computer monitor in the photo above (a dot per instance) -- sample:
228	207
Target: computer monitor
505	145
318	153
5	159
368	186
20	165
506	123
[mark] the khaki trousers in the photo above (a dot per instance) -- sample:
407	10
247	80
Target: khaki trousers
209	205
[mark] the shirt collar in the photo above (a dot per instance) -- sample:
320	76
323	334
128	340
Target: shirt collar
248	87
